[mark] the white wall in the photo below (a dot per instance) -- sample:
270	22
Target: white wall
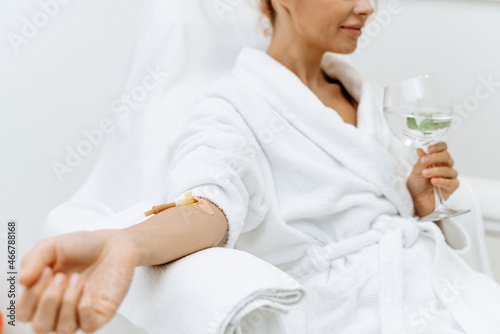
60	83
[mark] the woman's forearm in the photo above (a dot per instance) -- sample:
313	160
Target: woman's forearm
175	233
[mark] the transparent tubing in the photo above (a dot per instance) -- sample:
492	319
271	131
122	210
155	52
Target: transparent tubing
441	210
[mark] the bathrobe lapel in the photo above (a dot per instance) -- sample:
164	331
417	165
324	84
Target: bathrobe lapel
359	149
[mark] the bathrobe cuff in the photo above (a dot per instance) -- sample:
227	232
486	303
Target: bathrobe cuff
234	216
455	235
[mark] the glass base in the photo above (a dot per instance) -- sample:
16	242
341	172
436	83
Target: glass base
442	214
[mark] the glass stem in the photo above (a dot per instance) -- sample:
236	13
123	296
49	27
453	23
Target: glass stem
439	200
438	195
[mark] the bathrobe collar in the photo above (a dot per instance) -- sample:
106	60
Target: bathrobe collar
362	148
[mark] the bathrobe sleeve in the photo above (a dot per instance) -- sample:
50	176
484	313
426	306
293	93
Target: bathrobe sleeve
455	235
216	156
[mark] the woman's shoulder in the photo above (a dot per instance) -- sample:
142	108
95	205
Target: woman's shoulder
239	83
218	105
227	88
228	94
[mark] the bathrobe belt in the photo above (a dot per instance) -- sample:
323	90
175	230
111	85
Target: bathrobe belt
391	233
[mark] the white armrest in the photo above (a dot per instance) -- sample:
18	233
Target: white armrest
465	198
488	196
213	291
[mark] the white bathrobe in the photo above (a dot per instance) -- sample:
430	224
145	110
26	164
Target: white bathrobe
326	202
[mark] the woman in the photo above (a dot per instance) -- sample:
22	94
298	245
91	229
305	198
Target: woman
292	152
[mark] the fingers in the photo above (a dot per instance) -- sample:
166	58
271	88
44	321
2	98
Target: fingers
92	311
48	307
86	313
417	169
440	159
34	262
436	148
440	172
67	322
420	153
30	296
449	185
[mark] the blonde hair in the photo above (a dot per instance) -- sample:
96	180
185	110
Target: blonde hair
267	8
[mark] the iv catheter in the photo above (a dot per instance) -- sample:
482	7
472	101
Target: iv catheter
188	200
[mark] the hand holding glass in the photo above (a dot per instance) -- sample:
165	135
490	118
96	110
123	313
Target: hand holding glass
419	112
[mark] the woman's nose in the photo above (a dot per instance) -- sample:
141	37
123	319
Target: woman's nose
365	7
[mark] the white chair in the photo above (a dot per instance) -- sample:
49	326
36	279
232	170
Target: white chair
465	197
488	198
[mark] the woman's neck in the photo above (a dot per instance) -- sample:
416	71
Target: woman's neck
300	58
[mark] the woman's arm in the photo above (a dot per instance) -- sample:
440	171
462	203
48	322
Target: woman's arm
176	232
78	280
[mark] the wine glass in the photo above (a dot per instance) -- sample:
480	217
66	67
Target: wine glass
419	112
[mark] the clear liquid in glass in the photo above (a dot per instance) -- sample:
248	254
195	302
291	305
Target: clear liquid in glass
414	126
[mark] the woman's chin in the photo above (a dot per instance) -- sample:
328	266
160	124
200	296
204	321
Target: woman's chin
344	49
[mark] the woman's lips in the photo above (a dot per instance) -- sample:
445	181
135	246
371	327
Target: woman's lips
356	32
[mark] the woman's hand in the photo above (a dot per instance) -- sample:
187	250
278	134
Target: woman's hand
75	281
435	168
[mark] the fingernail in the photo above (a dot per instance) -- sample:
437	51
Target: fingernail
58	279
74	280
46	272
426	172
431	149
425	160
